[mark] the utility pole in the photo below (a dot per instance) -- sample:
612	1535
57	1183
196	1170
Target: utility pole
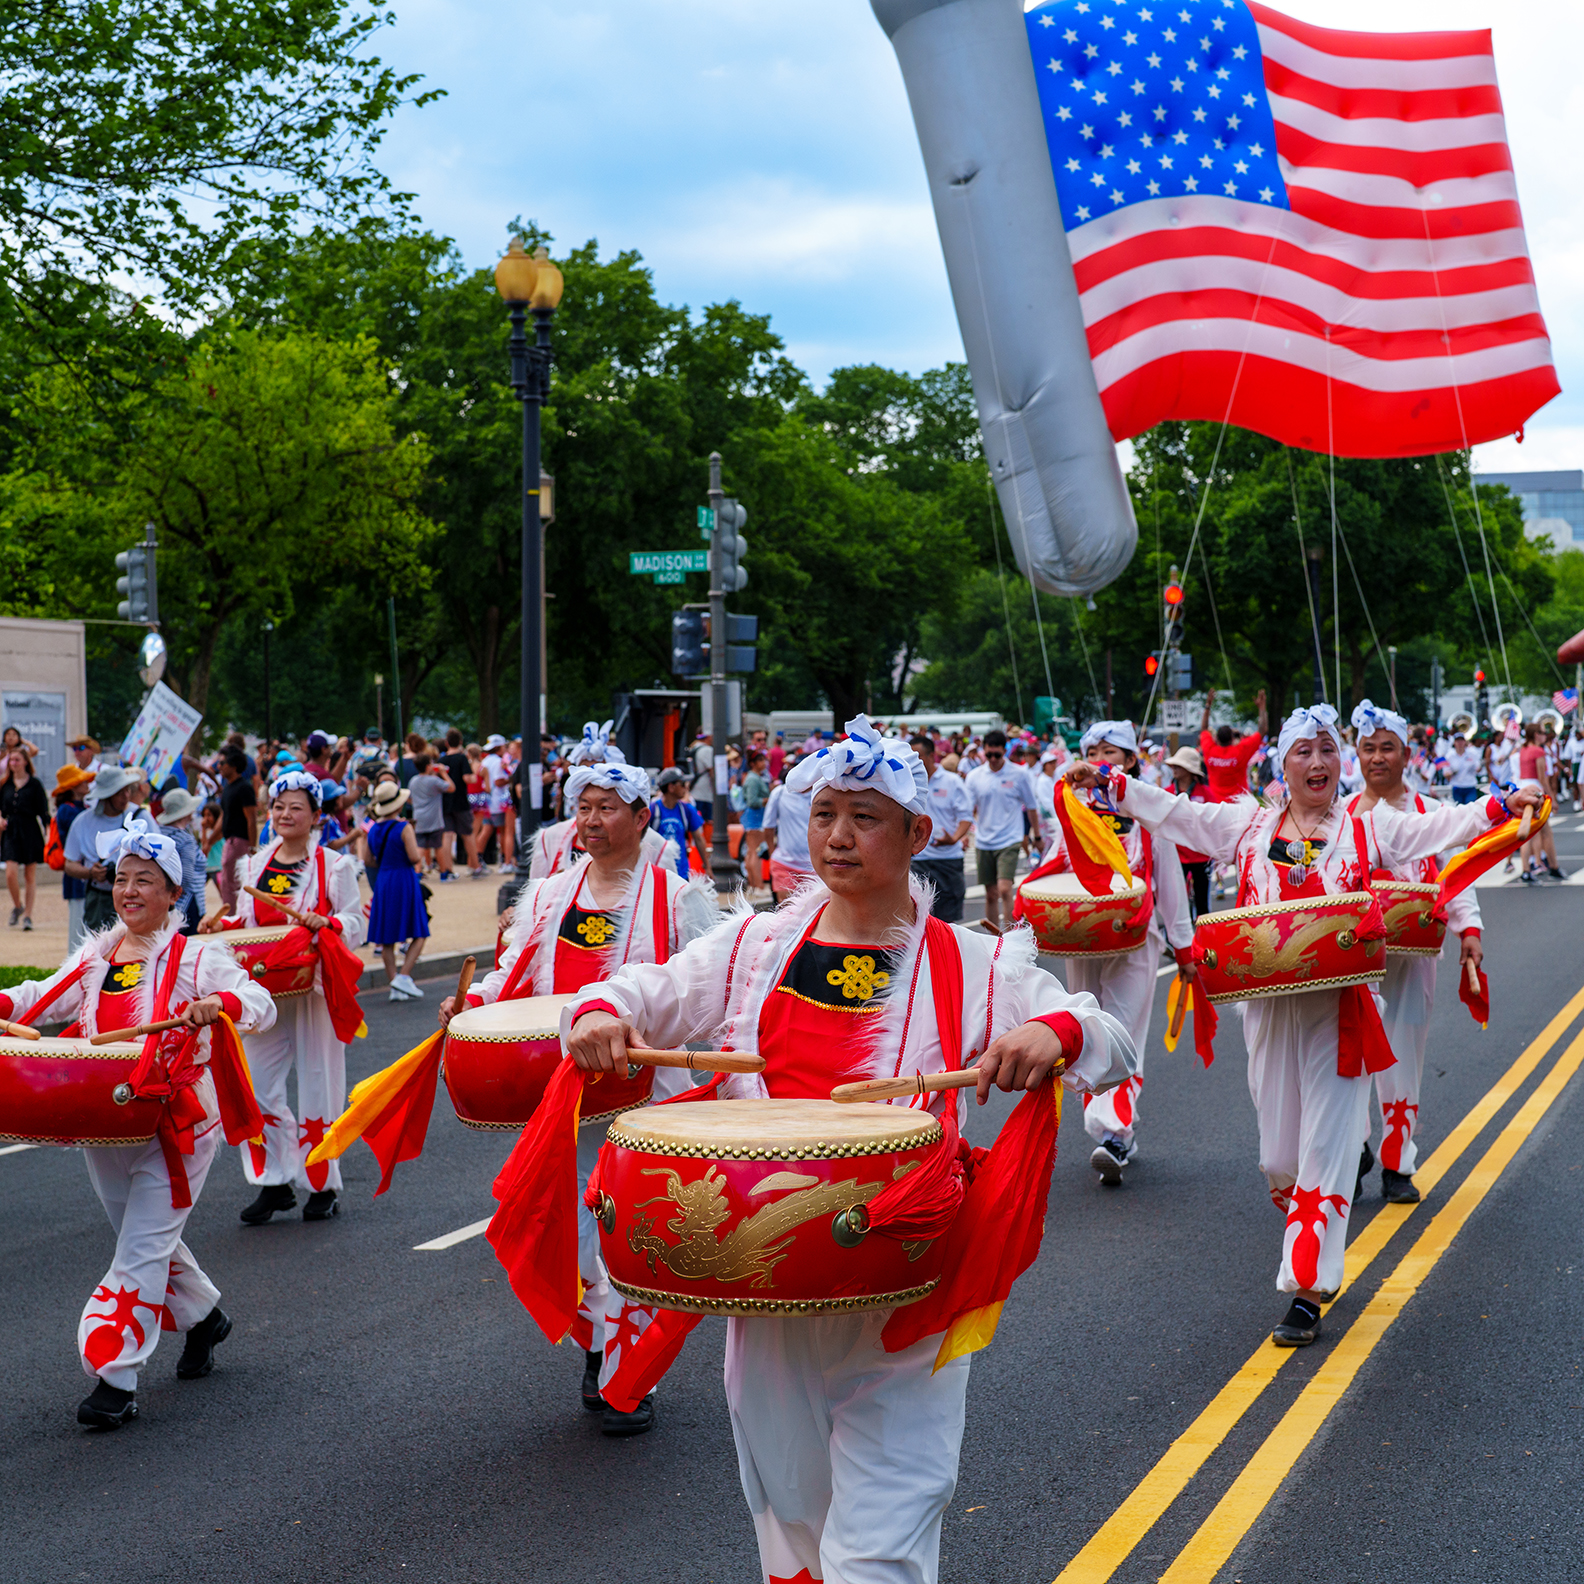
722	861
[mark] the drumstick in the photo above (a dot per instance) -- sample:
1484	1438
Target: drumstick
142	1031
464	984
895	1088
698	1061
1180	1011
20	1030
1473	977
275	902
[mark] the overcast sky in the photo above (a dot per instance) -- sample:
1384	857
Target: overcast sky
767	153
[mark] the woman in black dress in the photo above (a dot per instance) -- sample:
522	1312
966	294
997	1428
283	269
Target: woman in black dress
24	823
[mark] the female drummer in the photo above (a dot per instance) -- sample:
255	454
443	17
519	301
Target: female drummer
1310	1054
321	886
1125	985
140	970
848	1453
624	903
1409	986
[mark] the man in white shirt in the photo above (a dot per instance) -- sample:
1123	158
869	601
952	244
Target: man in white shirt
786	821
497	780
1463	764
951	814
1000	793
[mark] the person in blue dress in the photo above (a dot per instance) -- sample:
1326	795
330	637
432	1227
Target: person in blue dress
677	820
397	912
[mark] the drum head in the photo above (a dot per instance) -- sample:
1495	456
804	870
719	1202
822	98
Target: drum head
1064	887
77	1049
777	1128
254	935
533	1017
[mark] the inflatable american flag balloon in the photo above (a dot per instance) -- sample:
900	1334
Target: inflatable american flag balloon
1205	209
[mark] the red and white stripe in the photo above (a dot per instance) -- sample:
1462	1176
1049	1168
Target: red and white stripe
1392	312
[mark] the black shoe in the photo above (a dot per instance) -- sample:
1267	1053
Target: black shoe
1108	1159
642	1418
1300	1325
321	1206
107	1407
1551	869
197	1357
592	1400
278	1197
1398	1187
1527	878
1366	1165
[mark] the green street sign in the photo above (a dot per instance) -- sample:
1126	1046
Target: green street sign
669	577
706	517
640	562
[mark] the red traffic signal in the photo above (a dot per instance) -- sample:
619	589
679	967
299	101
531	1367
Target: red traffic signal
1173	595
1479	676
1151	664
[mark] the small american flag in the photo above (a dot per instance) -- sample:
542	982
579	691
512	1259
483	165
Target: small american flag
1311	232
1565	699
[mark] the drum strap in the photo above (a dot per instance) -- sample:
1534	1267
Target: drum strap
50	997
660	921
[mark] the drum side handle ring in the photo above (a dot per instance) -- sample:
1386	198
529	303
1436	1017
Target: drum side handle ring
851	1226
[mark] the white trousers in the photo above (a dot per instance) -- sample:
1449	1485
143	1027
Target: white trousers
153	1280
847	1453
1311	1123
1409	993
1124	987
304	1037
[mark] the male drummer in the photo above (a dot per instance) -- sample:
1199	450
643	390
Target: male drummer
625	903
144	970
848	1453
1409	987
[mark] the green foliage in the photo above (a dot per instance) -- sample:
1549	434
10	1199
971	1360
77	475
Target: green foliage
14	976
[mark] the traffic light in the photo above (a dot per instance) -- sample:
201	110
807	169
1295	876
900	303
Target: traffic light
136	582
1481	700
689	650
730	544
1173	595
1179	672
1152	663
742	633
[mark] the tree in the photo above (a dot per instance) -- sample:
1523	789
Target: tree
269	465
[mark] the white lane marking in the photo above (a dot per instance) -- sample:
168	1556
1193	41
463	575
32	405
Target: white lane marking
11	1149
451	1239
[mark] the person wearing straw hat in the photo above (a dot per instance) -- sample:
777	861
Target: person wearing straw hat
1124	985
1189	779
1408	989
175	818
321	889
623	902
143	970
848	1433
396	910
1310	1054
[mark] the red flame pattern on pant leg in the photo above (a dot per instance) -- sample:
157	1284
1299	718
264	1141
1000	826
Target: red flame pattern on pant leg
1122	1099
311	1132
107	1341
1399	1117
1309	1212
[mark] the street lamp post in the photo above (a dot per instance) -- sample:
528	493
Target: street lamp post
530	284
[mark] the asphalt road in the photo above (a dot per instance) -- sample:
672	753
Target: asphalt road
380	1411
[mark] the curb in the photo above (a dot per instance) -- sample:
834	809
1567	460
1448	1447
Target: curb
431	969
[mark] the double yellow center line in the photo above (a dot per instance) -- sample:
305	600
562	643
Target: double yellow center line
1252	1490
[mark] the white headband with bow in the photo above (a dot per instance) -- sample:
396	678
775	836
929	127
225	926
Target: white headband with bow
298	781
625	780
139	840
1119	734
866	761
1303	724
596	747
1370	717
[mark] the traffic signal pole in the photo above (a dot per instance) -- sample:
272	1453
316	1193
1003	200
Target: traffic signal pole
719	732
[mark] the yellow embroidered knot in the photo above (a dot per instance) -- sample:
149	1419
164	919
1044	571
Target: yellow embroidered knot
279	884
128	976
857	978
597	929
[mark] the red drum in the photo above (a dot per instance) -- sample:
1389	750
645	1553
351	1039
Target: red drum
1411	926
1287	948
66	1091
251	946
1069	922
745	1207
498	1059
